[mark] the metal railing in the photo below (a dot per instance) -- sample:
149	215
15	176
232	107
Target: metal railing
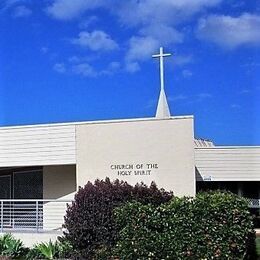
43	215
254	203
32	215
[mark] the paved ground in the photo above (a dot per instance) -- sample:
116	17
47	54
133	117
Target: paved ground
257	230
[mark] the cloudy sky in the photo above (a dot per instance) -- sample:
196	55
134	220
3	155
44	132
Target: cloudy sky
79	60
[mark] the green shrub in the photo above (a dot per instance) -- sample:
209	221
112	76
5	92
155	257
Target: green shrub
52	250
213	225
258	246
49	250
64	248
12	247
89	220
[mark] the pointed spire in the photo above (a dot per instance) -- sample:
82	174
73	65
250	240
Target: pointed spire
163	110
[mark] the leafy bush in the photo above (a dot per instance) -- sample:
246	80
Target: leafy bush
48	250
258	246
51	250
64	248
213	225
12	247
89	220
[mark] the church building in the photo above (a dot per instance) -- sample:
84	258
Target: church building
42	166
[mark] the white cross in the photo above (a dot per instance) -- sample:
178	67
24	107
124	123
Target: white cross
161	55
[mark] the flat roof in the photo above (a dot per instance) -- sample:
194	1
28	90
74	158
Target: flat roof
98	122
218	147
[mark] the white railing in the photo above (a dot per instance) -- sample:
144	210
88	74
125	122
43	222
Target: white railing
32	215
43	215
254	203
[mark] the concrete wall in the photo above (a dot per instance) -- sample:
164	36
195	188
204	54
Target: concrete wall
160	150
59	182
228	163
31	239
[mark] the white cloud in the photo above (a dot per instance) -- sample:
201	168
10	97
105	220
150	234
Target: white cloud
114	65
158	19
84	69
180	60
96	41
204	95
22	11
70	9
191	99
251	64
144	10
81	66
151	103
9	3
141	48
86	23
132	66
178	97
156	22
230	32
165	33
67	9
74	59
235	106
244	91
187	73
44	50
112	68
160	11
59	67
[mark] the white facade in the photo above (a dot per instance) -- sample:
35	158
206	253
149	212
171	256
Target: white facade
94	150
66	156
228	163
94	147
147	150
37	145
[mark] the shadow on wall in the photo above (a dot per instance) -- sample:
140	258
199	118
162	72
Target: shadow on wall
59	182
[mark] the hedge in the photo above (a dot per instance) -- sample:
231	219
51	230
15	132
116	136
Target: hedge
89	221
213	225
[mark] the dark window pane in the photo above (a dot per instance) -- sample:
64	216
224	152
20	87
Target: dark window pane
5	184
28	185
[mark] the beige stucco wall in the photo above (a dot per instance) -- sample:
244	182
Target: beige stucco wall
59	182
167	144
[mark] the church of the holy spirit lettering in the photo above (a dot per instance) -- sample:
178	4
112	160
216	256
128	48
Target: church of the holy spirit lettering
44	165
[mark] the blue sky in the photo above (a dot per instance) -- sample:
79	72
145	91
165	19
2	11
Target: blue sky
64	60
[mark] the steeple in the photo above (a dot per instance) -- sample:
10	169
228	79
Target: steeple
163	110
